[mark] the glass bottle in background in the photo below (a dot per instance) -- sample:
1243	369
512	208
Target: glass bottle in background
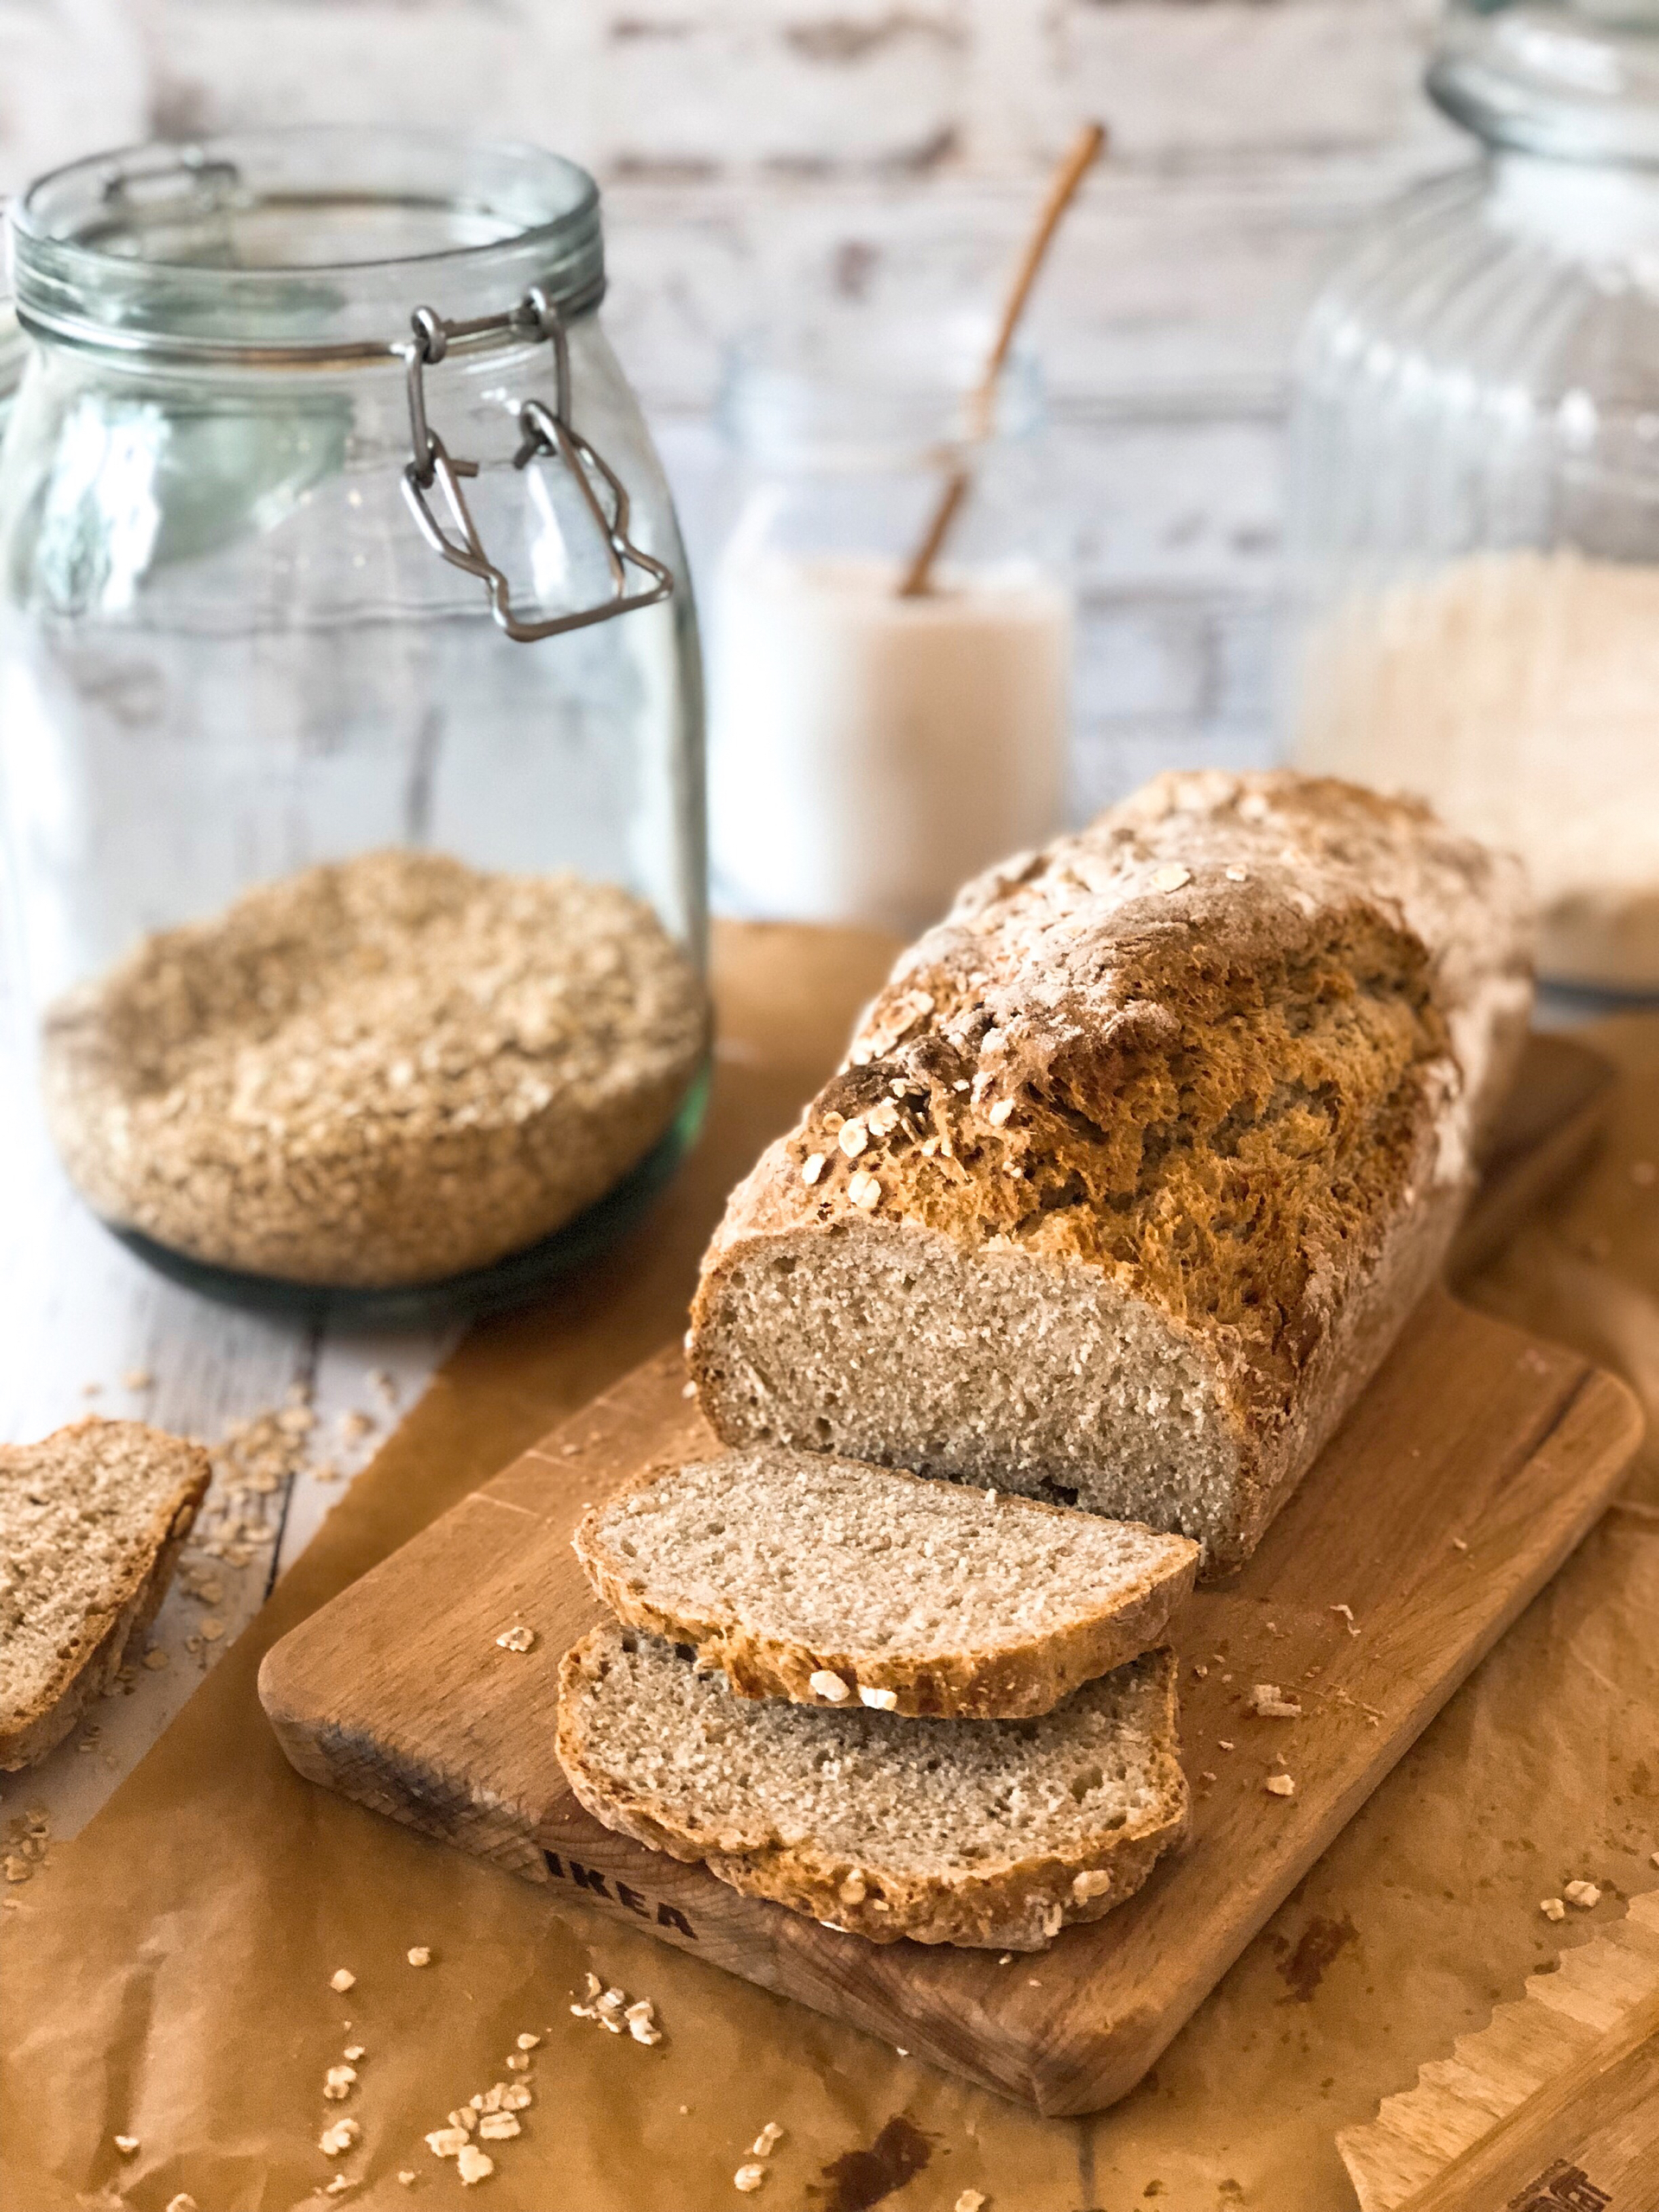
868	750
1475	504
351	772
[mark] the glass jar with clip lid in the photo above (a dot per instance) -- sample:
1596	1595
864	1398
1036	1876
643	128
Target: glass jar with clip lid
351	771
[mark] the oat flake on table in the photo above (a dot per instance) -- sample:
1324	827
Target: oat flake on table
381	1072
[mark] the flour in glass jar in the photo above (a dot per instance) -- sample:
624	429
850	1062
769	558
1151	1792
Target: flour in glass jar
383	1071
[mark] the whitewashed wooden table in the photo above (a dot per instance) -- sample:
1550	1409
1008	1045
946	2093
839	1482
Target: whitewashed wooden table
78	1315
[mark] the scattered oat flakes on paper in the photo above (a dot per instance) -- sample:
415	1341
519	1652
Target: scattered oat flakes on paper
613	2011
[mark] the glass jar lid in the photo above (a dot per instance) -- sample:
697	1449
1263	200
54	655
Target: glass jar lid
307	245
1574	81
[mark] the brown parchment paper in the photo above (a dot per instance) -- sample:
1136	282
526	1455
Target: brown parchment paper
167	1977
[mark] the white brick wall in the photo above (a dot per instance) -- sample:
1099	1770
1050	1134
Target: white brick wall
758	150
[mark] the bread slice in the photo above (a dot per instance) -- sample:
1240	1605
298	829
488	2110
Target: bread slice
92	1520
1138	1162
985	1833
828	1582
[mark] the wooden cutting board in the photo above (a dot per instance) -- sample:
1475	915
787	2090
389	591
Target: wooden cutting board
1555	2103
1474	1463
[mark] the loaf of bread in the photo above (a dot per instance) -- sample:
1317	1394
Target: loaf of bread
1138	1162
92	1520
973	1832
814	1579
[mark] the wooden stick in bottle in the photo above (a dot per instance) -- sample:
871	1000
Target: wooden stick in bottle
1062	190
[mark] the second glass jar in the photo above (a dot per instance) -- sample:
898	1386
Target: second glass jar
1475	509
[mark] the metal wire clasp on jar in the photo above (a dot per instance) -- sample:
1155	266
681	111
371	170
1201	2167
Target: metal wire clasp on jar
545	432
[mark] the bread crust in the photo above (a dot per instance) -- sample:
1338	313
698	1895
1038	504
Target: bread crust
1012	1681
1111	1053
113	1627
1016	1906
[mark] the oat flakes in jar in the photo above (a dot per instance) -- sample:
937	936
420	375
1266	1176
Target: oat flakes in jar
350	766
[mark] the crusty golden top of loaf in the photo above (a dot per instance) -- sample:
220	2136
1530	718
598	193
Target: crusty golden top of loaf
1207	1044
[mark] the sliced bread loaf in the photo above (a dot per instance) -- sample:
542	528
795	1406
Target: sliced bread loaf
987	1832
92	1520
1138	1162
832	1582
